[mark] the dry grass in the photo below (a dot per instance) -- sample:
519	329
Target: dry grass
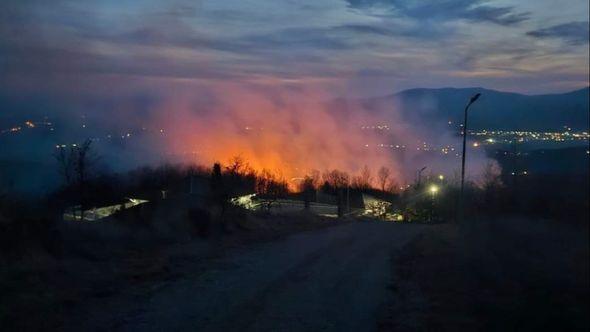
41	291
493	275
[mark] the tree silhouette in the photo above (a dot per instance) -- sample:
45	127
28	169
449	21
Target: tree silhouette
218	190
383	177
363	180
308	190
270	188
76	165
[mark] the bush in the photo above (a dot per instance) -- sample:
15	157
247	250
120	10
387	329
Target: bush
21	235
201	220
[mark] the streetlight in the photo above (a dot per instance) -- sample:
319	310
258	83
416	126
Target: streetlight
433	191
471	101
420	176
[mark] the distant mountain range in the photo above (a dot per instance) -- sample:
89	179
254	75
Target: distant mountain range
427	107
495	109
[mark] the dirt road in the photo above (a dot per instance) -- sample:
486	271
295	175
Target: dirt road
333	279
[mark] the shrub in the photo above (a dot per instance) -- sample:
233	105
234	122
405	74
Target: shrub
201	220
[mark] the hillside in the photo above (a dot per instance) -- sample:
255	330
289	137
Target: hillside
495	109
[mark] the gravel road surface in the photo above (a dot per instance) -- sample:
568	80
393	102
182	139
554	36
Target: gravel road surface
332	279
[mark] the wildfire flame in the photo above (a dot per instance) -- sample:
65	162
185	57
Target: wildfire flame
276	132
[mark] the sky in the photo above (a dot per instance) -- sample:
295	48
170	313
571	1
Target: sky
348	47
243	77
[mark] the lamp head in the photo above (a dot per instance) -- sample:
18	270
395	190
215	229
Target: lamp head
474	98
433	189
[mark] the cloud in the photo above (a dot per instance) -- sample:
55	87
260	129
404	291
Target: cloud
498	15
398	28
370	29
472	10
312	38
68	45
575	33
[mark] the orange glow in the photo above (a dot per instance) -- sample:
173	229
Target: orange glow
277	132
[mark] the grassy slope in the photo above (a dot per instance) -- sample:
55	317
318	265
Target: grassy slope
40	290
493	276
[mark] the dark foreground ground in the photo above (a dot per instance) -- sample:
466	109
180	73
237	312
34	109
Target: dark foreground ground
333	279
497	275
304	276
57	278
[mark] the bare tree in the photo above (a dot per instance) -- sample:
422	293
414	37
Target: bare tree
491	177
392	186
65	164
363	180
76	165
314	174
336	179
240	176
237	165
270	188
84	163
383	177
308	190
218	191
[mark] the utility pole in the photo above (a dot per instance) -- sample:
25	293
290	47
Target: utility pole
461	198
348	198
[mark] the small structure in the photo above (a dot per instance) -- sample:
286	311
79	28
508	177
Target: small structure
253	202
379	208
95	214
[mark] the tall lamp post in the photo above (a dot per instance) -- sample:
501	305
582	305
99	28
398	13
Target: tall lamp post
433	190
419	180
471	101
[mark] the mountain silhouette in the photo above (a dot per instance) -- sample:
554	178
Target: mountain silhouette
495	109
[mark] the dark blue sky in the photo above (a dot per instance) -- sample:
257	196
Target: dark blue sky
114	53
